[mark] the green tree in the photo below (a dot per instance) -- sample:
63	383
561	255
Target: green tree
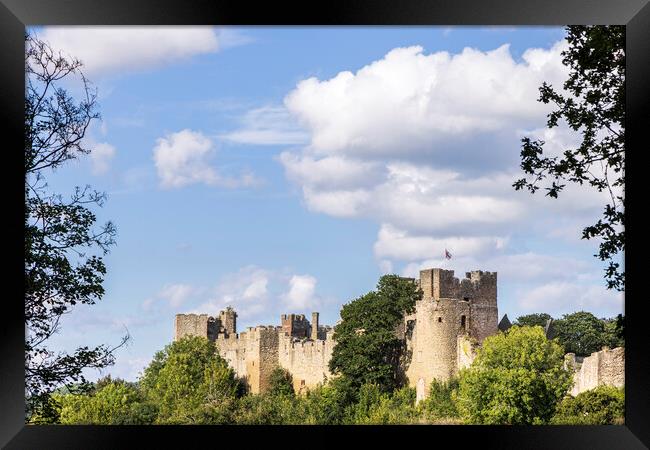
518	378
367	346
533	319
113	403
281	382
581	333
615	331
63	248
190	383
384	408
441	402
268	409
594	106
604	405
328	404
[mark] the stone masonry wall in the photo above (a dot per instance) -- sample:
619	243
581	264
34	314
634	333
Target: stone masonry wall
606	367
190	325
307	361
451	315
451	318
433	343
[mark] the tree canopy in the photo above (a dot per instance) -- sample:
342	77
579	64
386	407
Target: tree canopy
64	248
367	346
531	320
190	382
592	104
581	333
517	378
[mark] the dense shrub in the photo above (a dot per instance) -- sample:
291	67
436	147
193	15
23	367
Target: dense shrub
603	405
517	378
441	402
190	383
281	382
114	403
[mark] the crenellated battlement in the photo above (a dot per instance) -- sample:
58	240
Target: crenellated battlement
478	286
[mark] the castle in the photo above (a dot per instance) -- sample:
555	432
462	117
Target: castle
452	318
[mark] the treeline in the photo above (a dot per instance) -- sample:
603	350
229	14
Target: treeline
517	378
581	333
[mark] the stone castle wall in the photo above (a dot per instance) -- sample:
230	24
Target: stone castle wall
306	360
440	337
605	367
254	354
195	325
251	354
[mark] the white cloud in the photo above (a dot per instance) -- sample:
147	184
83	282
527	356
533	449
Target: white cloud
428	145
339	203
385	266
101	156
411	101
127	368
268	126
115	49
176	294
231	37
398	244
558	298
332	171
300	295
260	295
245	290
184	158
416	141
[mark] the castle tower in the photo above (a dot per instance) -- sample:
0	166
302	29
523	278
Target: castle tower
228	319
314	326
481	290
449	309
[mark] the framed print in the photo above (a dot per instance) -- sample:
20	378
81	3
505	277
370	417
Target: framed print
325	221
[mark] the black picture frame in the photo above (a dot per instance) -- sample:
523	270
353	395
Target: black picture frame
15	15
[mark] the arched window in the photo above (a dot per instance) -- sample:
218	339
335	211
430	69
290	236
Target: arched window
439	319
463	322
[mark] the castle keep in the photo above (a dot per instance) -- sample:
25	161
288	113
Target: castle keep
451	319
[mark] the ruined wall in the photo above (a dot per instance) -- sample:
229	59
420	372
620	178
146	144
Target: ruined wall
195	325
239	351
295	325
307	361
604	367
228	319
483	299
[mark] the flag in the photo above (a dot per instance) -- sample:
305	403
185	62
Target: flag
447	254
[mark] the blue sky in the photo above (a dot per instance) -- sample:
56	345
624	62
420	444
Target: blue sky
284	169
